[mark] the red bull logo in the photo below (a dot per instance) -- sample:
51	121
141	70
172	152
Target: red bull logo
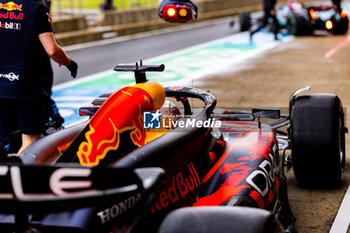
119	113
11	6
86	148
49	19
182	184
11	15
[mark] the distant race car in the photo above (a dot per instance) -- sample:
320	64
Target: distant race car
144	163
298	19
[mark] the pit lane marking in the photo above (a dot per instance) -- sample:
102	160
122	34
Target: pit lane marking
343	43
342	220
339	46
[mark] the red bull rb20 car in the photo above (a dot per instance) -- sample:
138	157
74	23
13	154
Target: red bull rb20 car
141	165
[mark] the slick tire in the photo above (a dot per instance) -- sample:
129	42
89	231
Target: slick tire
244	21
297	25
318	140
221	219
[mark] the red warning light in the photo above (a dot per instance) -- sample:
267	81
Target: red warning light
177	11
171	12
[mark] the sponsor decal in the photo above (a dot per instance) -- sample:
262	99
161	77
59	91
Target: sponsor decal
11	26
11	6
104	129
263	178
10	76
49	18
11	15
62	182
156	120
86	149
209	98
181	185
118	209
175	88
255	174
197	91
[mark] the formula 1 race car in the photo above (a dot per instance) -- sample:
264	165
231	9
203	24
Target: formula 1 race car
298	19
148	161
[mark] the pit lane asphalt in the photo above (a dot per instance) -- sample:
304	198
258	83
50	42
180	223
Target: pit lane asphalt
101	56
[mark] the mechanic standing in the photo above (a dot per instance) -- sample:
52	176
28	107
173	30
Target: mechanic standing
24	26
269	13
337	4
52	119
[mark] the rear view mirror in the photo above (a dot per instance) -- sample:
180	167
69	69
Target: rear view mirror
177	11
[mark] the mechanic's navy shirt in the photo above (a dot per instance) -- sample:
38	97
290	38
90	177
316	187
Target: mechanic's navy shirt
21	21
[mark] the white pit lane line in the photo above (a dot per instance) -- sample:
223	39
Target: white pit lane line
342	220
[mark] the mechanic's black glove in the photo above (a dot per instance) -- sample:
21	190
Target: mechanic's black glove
73	68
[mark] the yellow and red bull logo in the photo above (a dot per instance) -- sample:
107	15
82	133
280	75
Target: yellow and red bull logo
11	6
49	19
123	111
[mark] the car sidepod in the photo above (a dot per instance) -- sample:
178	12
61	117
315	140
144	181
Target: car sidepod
249	172
235	165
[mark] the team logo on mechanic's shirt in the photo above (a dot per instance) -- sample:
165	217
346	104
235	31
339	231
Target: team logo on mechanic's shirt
10	76
11	26
11	15
49	18
10	6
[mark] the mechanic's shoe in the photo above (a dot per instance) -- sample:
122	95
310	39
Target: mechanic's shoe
58	119
55	115
12	155
15	142
52	127
55	120
3	152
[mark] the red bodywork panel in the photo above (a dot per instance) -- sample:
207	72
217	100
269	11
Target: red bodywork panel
244	165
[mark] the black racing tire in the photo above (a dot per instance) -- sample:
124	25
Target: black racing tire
244	21
341	27
297	25
221	219
318	140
